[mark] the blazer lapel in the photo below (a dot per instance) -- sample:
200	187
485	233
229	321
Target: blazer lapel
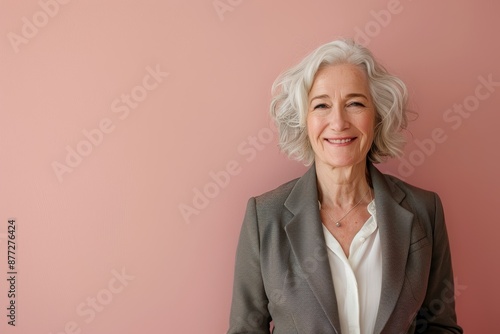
305	234
394	224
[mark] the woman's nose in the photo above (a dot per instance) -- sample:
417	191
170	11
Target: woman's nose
337	119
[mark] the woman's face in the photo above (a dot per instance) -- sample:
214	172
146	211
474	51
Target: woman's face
341	116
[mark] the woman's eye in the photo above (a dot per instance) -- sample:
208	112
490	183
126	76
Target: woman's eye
355	104
321	106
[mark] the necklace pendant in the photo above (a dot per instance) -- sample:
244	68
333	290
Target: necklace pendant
337	224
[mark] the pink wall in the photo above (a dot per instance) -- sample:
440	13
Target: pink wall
172	92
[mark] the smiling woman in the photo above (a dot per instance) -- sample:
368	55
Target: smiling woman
344	248
341	116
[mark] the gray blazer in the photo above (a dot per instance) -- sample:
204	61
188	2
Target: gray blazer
283	283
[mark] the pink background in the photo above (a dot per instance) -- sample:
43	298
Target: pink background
119	207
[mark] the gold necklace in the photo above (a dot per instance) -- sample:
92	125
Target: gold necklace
337	223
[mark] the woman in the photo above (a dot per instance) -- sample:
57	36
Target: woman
344	248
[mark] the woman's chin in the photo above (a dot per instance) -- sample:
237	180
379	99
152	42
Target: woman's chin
342	163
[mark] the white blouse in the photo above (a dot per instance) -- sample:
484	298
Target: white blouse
357	280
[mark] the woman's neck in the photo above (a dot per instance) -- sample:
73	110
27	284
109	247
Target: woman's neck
341	186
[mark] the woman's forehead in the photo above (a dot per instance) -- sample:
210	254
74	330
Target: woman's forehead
343	78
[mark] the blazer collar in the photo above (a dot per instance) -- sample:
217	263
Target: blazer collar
395	223
305	234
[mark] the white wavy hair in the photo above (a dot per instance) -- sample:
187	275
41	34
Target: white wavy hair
290	95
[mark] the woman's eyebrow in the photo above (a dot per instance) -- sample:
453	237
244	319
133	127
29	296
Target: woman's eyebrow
348	96
319	97
351	95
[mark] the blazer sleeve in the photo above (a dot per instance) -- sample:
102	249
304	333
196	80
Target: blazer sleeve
437	314
249	312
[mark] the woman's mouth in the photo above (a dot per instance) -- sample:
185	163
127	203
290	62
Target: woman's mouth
338	141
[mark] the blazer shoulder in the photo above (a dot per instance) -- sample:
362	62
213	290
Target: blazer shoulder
420	198
278	194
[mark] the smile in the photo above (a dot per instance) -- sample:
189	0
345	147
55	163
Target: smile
340	141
